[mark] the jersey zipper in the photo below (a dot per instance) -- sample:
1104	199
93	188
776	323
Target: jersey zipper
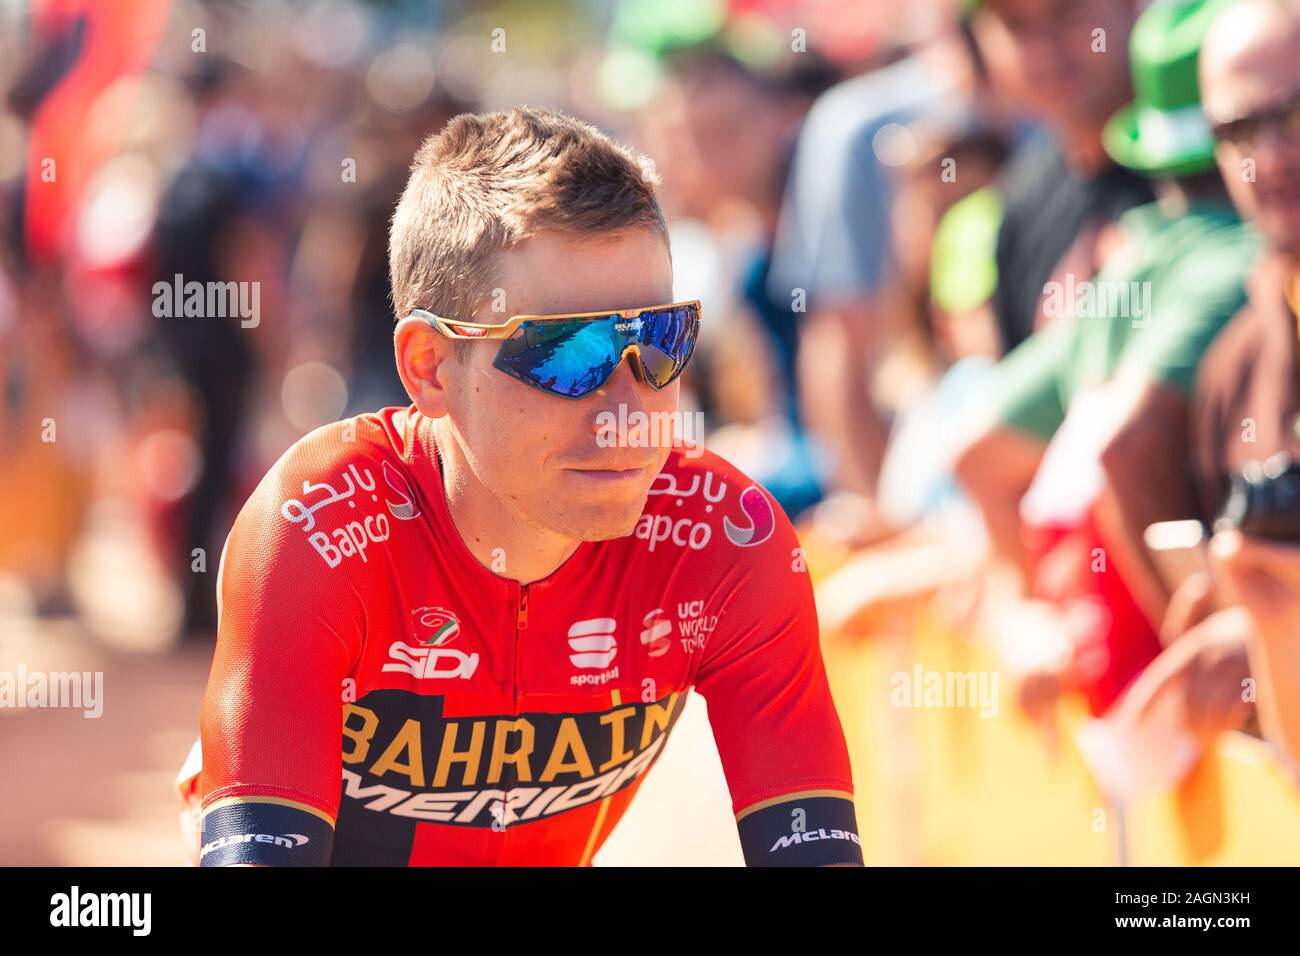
521	625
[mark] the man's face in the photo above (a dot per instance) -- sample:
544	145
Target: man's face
537	453
1251	63
1042	53
739	134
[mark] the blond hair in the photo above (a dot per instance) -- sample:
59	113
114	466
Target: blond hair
488	181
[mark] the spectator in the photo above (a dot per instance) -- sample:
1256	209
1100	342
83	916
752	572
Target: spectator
832	254
1247	402
742	123
1118	364
1189	251
1065	61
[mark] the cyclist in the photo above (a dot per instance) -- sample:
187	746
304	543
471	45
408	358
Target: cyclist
500	594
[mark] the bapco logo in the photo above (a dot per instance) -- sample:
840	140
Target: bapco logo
408	508
762	520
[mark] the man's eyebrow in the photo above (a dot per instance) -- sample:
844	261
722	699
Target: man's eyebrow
1274	101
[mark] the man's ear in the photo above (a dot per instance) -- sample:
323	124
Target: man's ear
424	356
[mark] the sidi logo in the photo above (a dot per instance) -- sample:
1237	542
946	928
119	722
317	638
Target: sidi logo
762	520
74	909
429	663
436	627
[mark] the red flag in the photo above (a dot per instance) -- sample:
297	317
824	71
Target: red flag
116	40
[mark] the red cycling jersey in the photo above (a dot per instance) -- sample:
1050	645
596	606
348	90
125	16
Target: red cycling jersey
486	722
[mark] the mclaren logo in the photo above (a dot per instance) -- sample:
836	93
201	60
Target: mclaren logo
289	841
811	836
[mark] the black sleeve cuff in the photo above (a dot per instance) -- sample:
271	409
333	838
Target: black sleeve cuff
810	828
270	831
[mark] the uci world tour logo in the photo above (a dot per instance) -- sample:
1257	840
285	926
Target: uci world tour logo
762	521
408	508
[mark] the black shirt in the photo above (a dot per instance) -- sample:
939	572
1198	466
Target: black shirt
1047	205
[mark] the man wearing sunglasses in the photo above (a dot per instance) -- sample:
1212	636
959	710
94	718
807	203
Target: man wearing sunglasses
503	603
1246	408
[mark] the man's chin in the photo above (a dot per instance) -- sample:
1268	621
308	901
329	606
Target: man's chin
1283	227
601	524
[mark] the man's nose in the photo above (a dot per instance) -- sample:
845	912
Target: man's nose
621	390
627	385
1274	149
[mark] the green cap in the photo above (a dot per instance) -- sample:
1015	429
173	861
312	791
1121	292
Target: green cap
1163	131
661	26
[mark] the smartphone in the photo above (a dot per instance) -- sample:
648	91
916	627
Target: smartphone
1178	550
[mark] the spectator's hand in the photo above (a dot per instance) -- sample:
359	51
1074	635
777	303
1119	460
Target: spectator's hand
1203	671
1191	604
1038	691
851	520
1264	576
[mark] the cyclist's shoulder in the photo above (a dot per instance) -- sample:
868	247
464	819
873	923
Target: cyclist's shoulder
351	472
340	458
710	527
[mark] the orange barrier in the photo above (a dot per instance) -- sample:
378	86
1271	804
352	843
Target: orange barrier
965	785
1240	807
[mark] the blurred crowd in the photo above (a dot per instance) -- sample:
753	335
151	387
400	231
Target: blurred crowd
990	289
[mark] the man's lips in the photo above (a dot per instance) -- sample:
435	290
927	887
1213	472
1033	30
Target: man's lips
1282	194
610	473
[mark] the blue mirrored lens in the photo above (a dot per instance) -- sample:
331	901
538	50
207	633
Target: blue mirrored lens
667	339
568	358
576	358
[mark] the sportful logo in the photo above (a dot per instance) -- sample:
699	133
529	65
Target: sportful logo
655	636
762	520
593	643
408	508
